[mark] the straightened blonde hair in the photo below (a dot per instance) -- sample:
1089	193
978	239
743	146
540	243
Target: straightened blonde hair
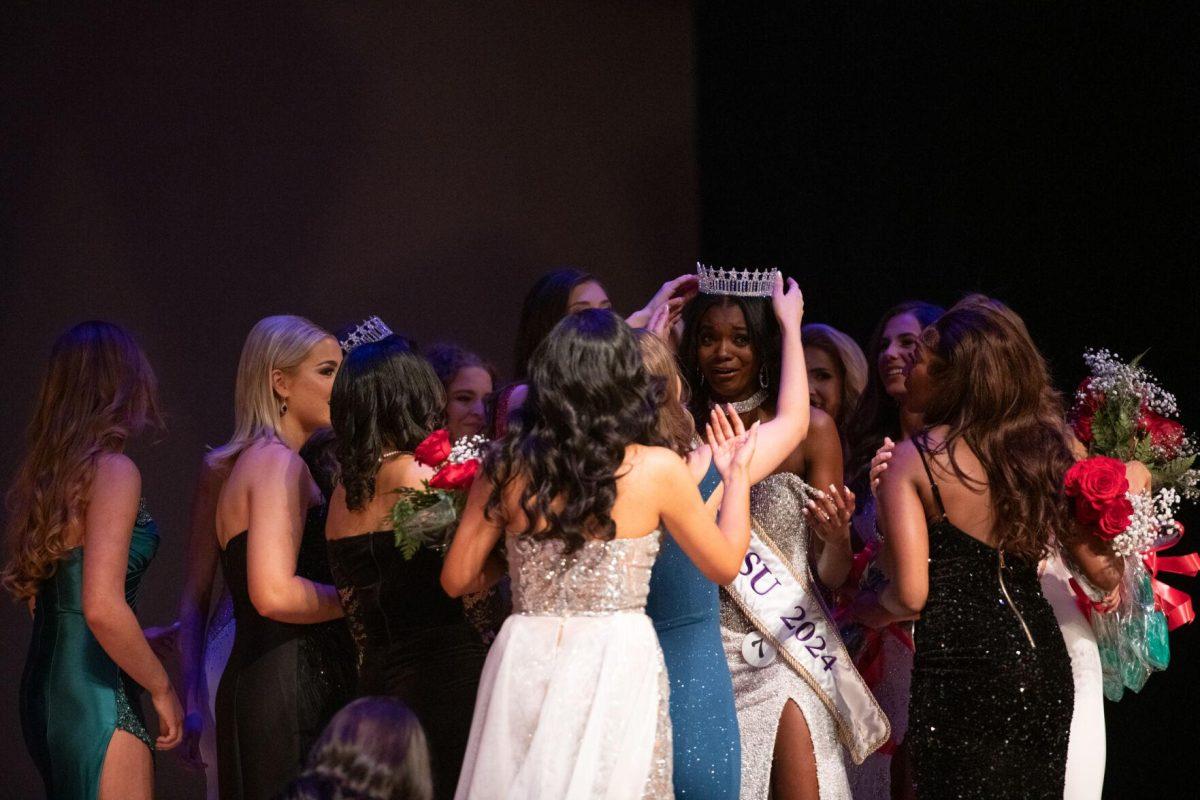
845	352
280	342
99	390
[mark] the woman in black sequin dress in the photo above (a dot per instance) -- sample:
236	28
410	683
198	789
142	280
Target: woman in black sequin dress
968	507
413	641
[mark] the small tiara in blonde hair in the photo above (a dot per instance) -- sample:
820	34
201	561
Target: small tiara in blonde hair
370	330
740	282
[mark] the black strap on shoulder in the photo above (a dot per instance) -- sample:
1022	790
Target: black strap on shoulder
937	494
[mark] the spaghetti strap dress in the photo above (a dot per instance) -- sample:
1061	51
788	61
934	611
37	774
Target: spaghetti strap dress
992	696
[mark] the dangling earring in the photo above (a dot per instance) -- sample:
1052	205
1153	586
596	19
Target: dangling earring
283	408
700	375
762	377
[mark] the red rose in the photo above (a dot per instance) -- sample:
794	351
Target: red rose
1087	513
1082	425
1097	480
435	449
1115	518
455	476
1165	434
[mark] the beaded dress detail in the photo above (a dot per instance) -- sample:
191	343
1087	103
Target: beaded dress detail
991	688
574	699
760	693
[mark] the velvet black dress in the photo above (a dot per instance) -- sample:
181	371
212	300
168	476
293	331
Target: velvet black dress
992	692
283	682
413	641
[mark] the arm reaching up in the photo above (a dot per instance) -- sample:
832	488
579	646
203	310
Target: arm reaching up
784	433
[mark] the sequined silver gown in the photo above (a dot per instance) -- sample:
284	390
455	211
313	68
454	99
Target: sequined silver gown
573	700
761	693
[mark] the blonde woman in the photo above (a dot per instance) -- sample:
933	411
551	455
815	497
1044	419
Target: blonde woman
288	673
837	370
80	541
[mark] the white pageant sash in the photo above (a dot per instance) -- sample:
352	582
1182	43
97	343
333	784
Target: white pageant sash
791	622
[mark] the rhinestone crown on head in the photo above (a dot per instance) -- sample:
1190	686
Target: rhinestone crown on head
370	330
740	282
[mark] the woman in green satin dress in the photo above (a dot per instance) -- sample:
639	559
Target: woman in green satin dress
80	542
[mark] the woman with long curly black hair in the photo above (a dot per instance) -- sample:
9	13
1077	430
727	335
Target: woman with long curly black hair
413	642
573	698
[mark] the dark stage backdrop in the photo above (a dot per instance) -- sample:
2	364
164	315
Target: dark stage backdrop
1043	153
185	172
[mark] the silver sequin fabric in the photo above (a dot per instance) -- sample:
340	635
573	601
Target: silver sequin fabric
761	693
600	578
574	696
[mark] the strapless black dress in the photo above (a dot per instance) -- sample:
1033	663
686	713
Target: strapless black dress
283	682
992	692
413	641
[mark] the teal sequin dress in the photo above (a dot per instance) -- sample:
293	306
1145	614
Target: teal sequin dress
73	696
685	609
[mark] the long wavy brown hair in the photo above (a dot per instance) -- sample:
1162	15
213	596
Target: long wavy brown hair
990	386
98	391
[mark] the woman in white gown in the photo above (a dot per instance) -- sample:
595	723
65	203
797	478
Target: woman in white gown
1086	750
573	698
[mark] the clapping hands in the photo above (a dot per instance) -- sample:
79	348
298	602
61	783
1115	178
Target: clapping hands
731	444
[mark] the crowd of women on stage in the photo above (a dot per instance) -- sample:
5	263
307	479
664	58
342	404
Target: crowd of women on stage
712	552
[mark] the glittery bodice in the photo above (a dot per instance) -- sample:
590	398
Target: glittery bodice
776	504
602	577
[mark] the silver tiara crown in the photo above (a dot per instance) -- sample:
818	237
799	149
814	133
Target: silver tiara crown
370	330
741	282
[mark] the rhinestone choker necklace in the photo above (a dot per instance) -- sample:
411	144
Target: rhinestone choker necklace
749	404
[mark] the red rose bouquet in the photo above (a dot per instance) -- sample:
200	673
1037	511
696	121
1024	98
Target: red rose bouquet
427	517
1121	411
1125	417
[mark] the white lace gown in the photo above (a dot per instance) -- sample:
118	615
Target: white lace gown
573	700
1086	751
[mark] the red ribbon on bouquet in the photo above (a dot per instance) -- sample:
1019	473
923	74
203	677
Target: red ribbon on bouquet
1174	603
